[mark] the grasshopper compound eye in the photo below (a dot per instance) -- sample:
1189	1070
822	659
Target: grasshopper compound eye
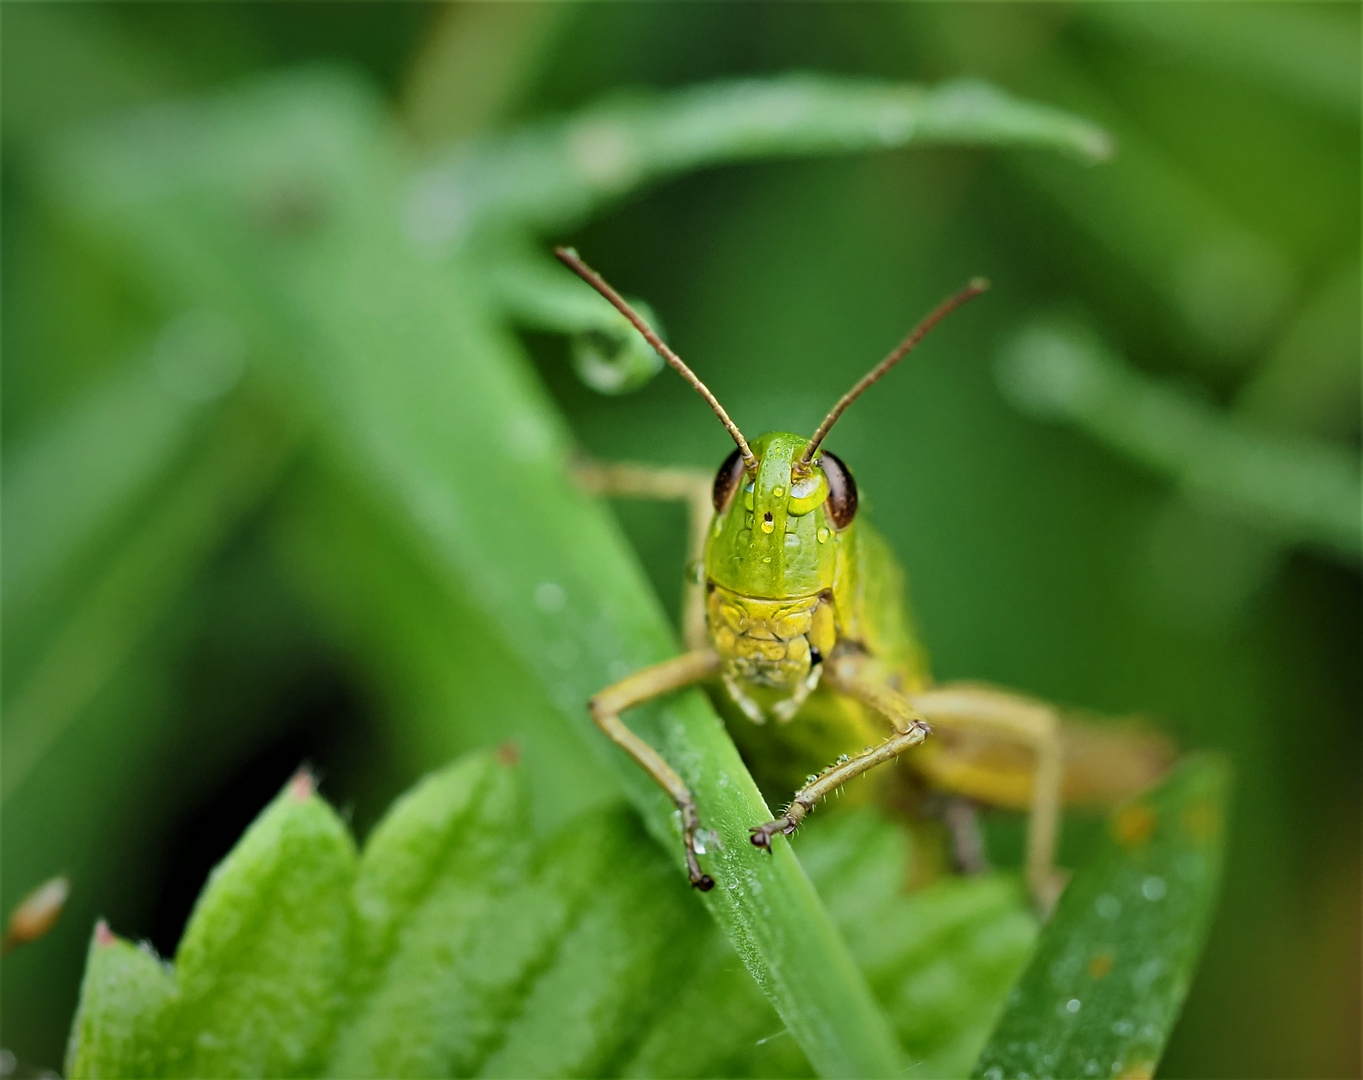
842	491
728	478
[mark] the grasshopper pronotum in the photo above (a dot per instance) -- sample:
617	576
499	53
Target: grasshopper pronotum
798	620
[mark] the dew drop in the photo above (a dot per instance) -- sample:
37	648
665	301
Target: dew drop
824	534
1108	906
1073	1005
1153	888
550	597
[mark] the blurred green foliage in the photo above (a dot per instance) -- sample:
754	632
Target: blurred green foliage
459	944
227	576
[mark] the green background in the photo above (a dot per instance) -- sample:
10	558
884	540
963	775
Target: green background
1217	252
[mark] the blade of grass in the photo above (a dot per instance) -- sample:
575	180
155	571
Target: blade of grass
449	686
68	487
1304	489
277	204
555	174
1110	972
137	583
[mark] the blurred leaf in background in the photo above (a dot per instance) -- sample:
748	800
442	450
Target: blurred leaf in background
245	528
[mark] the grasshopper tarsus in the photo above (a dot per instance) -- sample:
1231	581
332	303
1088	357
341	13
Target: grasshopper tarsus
704	883
762	834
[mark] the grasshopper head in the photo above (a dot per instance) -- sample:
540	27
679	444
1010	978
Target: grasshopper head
778	528
783	508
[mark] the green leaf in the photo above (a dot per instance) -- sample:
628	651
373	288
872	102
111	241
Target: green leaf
940	959
124	1014
446	929
1303	489
1104	988
627	940
484	952
261	964
85	469
462	946
555	174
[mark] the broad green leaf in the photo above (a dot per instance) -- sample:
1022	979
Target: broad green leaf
627	941
1303	489
555	174
447	928
942	959
423	398
1110	972
260	967
124	1014
462	946
482	951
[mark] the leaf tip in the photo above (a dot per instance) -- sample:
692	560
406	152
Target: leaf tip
303	786
104	937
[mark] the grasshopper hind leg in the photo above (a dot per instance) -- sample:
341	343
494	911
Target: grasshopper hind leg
972	707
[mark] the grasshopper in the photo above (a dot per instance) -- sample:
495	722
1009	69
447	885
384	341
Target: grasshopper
798	621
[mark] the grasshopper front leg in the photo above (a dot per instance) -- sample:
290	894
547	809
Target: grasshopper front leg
845	677
652	682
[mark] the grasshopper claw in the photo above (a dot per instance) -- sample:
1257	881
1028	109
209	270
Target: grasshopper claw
762	834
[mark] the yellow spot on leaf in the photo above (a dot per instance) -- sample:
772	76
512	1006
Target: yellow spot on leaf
1100	965
1134	825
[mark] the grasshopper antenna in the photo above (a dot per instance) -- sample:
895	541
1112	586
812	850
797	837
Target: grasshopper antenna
940	312
570	258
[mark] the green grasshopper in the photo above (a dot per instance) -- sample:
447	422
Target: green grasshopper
798	619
